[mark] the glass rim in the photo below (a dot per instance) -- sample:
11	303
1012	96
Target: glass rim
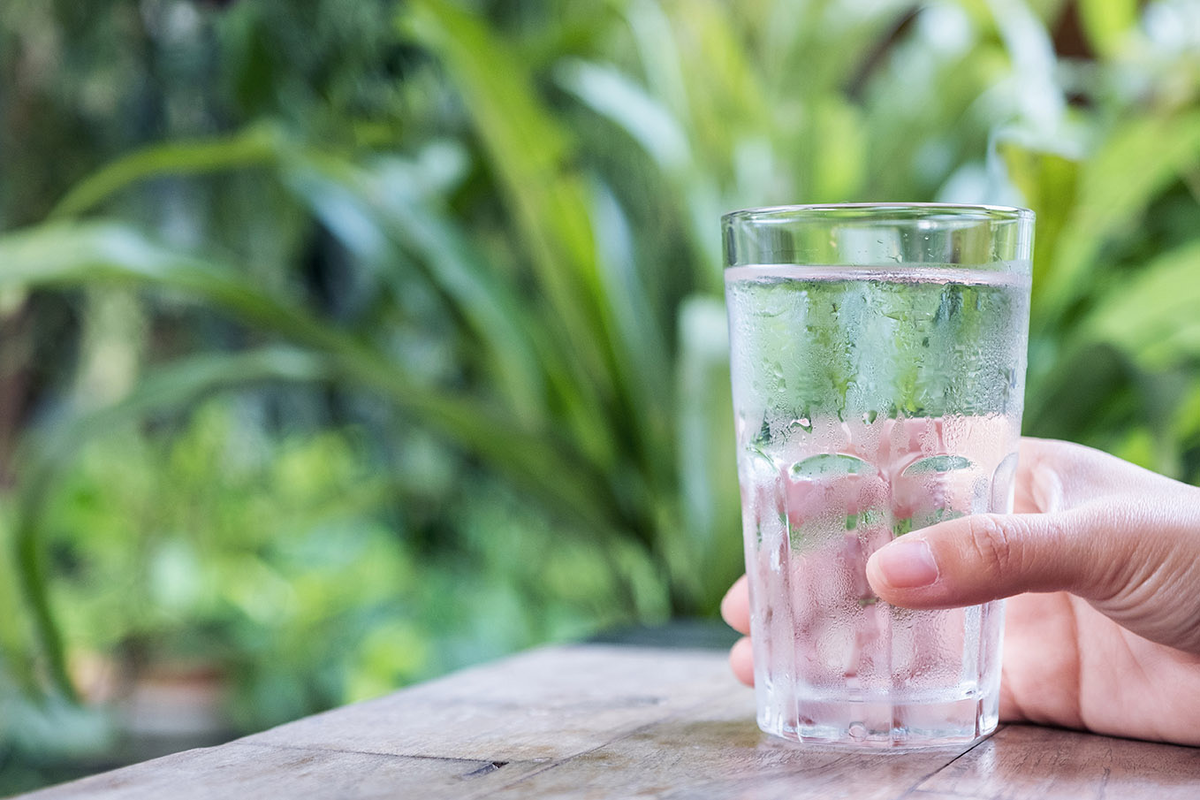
881	212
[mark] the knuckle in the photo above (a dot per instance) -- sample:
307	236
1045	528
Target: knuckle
993	544
1125	564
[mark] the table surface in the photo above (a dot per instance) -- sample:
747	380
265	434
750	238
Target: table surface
594	721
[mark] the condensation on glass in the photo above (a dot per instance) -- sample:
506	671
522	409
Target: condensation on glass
878	364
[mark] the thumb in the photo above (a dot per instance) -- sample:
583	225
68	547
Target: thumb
975	559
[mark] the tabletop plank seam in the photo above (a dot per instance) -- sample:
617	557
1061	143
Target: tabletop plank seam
916	787
311	749
558	762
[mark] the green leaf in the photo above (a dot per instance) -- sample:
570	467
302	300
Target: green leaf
1047	182
710	501
1155	316
828	41
838	172
254	146
18	664
662	61
618	99
97	253
530	154
1186	419
1116	186
393	213
1107	23
614	96
1040	103
641	353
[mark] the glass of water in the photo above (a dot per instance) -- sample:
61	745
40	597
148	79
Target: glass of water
878	363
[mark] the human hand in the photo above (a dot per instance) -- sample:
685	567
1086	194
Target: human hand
1106	636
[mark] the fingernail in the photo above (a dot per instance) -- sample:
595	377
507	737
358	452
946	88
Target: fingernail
907	564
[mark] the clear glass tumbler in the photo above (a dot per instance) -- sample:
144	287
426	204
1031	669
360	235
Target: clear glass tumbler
878	363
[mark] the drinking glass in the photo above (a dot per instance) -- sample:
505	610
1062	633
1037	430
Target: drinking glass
878	364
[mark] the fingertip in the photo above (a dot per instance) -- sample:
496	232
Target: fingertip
741	660
907	573
875	576
901	567
735	606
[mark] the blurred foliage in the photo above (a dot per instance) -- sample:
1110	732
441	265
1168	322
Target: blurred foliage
262	554
348	341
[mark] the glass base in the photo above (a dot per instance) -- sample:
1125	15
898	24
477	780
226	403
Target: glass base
884	725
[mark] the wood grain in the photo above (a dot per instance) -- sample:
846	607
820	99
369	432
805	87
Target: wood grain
717	751
240	770
595	721
1025	761
541	706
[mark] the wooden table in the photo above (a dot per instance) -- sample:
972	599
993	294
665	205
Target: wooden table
608	721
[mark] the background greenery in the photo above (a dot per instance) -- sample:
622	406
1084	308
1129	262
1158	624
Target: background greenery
349	341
